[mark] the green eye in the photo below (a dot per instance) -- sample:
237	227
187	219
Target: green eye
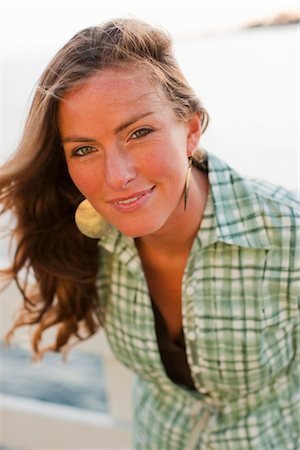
82	151
141	133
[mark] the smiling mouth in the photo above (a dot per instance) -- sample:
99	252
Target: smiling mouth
128	200
133	200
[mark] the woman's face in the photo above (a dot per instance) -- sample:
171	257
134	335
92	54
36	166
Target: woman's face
126	151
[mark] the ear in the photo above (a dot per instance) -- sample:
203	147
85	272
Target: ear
194	132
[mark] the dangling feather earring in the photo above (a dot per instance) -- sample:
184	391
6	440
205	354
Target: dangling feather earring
89	222
187	182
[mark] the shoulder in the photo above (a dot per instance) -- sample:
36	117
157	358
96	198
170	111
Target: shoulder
253	195
279	207
281	198
280	212
252	212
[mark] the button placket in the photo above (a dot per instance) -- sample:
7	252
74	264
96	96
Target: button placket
191	335
190	331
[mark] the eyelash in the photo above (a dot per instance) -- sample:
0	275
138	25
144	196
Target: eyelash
76	151
144	132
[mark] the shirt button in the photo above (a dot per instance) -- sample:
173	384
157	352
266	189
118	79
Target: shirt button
152	345
203	390
167	388
191	336
196	370
190	290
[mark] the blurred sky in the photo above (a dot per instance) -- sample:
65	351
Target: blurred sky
29	26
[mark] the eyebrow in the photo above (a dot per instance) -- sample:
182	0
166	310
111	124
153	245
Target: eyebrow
117	130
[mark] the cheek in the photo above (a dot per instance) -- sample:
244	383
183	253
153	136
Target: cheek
165	171
85	179
154	167
155	159
169	161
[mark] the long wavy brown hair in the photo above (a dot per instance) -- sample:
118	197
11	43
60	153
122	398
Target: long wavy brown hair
36	188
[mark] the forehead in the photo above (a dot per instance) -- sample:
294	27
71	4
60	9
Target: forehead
115	88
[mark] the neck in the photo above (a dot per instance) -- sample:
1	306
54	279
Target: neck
176	239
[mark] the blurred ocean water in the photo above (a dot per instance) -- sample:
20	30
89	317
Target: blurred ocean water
78	382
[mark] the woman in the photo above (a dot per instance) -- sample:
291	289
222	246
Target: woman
197	269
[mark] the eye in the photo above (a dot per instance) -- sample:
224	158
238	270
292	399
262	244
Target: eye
82	151
141	133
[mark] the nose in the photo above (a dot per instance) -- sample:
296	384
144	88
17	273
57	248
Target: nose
120	168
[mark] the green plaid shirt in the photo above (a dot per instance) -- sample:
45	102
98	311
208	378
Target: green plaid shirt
241	321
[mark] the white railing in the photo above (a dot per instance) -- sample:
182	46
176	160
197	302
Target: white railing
30	424
34	425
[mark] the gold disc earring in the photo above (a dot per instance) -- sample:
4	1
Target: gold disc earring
187	182
89	222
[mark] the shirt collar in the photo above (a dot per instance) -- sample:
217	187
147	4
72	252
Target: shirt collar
123	248
239	217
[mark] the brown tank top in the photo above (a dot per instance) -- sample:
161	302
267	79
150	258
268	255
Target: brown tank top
172	352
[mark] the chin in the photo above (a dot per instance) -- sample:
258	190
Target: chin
136	233
139	231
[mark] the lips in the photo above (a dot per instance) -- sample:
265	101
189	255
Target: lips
133	201
129	200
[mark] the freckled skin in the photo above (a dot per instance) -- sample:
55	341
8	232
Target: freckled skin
119	163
